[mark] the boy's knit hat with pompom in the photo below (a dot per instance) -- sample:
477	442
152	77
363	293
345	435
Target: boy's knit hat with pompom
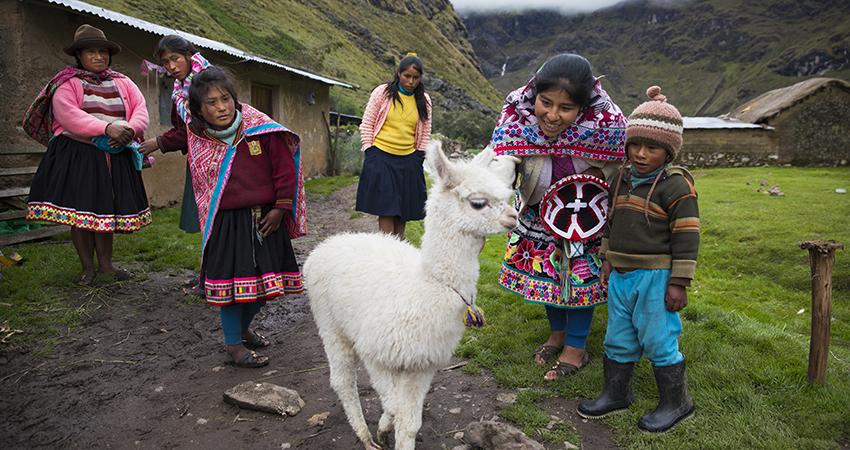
656	122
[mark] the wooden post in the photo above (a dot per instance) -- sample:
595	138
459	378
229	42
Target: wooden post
821	257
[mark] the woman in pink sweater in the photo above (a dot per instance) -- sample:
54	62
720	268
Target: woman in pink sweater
91	119
396	128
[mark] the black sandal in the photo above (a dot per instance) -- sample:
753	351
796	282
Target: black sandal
256	341
563	369
251	360
547	353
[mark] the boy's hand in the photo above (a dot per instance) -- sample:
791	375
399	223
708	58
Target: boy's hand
677	297
271	221
604	273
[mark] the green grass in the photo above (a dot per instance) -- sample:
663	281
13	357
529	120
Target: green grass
746	344
324	186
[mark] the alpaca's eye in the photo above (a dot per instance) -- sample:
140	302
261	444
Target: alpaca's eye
478	203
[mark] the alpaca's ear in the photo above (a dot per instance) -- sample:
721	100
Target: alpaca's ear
484	157
440	165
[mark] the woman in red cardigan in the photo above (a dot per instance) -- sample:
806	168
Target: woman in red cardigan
246	175
395	129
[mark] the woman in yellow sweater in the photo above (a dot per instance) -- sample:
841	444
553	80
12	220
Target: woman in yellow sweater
395	129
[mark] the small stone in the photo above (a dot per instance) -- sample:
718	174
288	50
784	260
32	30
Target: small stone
458	436
570	446
159	389
270	373
491	434
317	420
202	421
266	397
840	191
460	447
506	397
137	442
286	445
454	411
217	368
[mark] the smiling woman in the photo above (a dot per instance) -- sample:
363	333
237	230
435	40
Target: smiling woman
561	123
90	118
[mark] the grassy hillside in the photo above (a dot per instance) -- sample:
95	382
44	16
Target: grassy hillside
708	55
359	41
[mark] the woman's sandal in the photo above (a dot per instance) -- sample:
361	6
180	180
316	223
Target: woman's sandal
563	369
255	341
547	353
87	278
251	360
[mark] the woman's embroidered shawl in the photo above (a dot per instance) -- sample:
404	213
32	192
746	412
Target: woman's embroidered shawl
180	93
38	120
211	160
599	131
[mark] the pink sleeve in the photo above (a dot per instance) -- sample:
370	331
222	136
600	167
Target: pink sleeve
424	132
367	124
136	107
66	111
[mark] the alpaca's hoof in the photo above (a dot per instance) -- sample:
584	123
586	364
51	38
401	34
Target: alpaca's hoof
372	445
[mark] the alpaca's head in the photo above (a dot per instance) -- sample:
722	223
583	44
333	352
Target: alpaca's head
471	196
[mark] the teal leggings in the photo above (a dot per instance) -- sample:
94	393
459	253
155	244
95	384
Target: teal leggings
638	320
237	318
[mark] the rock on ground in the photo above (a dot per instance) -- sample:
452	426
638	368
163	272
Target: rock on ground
492	435
266	397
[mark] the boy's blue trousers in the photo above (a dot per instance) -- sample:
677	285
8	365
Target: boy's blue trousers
638	320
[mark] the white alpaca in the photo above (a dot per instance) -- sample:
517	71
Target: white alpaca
398	309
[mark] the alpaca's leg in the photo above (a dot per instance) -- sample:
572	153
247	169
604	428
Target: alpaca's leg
410	392
342	362
384	384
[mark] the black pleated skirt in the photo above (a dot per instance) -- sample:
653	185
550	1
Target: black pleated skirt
239	267
81	186
189	221
392	185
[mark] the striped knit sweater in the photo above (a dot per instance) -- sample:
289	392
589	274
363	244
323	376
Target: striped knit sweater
664	235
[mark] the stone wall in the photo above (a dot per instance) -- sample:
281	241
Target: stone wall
728	147
816	131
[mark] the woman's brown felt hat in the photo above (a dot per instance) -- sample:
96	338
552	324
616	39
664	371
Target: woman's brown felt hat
88	36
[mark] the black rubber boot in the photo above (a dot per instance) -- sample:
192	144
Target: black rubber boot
674	403
616	394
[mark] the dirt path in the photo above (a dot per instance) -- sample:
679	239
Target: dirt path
147	369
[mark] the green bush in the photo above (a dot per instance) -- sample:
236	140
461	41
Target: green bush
346	157
473	128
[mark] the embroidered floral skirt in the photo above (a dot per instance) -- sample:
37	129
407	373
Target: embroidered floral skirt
78	185
532	267
239	267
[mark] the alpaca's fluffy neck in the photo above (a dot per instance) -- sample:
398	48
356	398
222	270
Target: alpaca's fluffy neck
450	257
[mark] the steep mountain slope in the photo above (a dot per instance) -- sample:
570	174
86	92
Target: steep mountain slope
708	55
359	41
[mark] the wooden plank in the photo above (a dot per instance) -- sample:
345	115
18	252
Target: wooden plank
9	215
12	149
18	171
32	235
14	192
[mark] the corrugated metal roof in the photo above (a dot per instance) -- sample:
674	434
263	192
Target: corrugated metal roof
197	40
716	123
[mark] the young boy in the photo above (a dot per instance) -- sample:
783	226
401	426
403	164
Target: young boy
650	249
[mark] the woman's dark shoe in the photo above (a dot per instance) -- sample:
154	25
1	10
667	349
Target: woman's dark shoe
564	369
87	278
674	403
251	360
255	340
616	393
546	353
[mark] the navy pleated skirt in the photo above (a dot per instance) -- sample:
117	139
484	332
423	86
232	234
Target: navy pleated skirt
392	185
